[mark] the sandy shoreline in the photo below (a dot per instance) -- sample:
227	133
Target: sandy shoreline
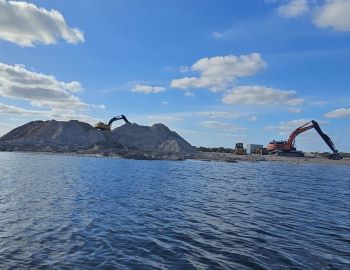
209	157
319	160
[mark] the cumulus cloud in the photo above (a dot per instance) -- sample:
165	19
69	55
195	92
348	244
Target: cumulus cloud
146	89
221	126
26	25
325	13
335	14
259	95
42	91
218	73
294	8
17	82
338	113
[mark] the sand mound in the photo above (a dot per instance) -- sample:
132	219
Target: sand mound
70	136
157	138
55	133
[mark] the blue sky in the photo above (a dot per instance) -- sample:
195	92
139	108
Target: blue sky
216	72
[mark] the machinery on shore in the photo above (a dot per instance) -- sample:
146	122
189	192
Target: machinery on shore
239	149
103	126
287	148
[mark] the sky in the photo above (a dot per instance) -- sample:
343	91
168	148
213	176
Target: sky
216	72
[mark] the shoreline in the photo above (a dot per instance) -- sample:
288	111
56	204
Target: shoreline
204	156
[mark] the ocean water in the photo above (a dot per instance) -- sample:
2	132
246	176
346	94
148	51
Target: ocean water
66	212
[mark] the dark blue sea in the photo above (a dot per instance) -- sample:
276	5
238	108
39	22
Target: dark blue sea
68	212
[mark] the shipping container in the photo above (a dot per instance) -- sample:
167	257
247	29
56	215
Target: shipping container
251	148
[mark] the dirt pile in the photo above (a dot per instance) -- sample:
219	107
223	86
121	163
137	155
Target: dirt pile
158	138
54	133
128	140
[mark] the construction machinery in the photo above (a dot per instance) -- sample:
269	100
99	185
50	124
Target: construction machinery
103	126
287	148
239	149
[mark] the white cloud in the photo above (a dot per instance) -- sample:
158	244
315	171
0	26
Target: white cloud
26	24
294	8
259	95
189	94
57	114
338	113
221	126
295	110
164	103
218	35
16	82
184	69
226	115
146	89
62	115
41	90
318	103
8	109
335	14
218	73
164	118
286	128
253	118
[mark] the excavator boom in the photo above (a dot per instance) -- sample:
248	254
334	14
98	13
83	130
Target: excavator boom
119	117
103	126
288	146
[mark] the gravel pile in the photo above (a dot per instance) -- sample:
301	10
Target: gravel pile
130	140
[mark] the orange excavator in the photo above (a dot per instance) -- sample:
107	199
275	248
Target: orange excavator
287	148
103	126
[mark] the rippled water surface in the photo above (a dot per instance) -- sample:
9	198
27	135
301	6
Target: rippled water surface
62	212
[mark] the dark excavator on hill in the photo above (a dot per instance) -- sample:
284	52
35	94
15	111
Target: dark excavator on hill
103	126
287	148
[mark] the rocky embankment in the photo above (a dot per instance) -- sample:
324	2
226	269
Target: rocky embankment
129	140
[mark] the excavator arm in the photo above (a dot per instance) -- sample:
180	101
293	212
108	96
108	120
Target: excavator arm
119	117
298	131
325	137
103	126
288	146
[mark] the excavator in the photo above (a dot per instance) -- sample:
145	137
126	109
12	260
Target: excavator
103	126
287	148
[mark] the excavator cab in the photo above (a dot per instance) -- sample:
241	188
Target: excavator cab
103	126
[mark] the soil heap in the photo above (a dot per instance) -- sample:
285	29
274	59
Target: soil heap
128	140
